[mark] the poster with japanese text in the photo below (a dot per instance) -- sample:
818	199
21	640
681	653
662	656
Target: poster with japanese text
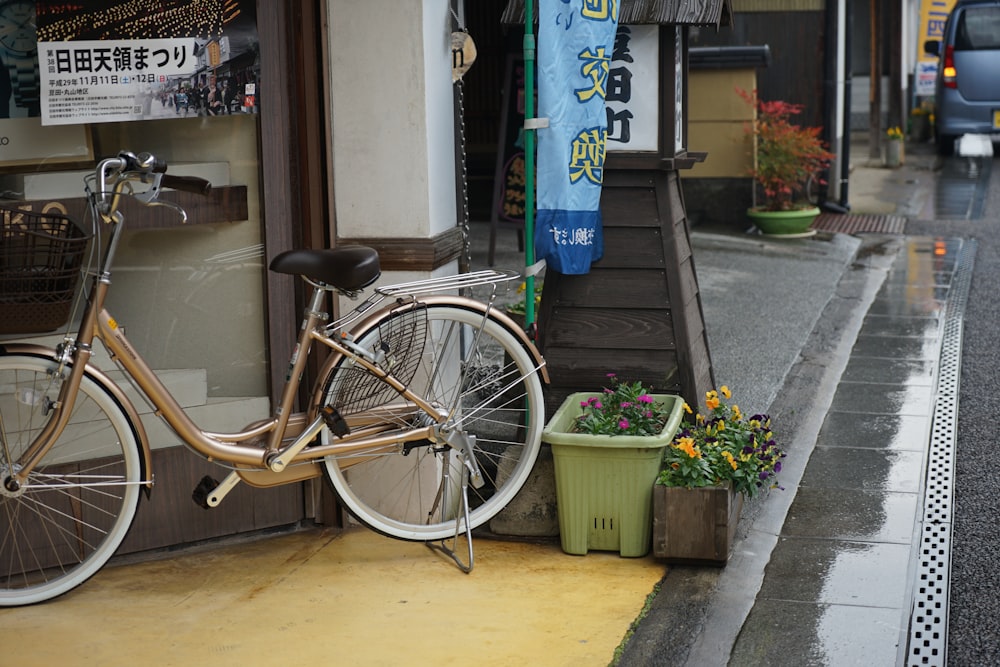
633	90
107	61
933	14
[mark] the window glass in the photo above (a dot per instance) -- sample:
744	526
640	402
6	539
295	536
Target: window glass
178	80
192	295
978	28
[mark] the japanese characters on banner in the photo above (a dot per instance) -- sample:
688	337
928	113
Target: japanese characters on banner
107	61
575	44
933	14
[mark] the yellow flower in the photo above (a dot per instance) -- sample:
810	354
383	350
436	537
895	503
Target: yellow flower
687	408
736	413
732	461
725	391
687	446
712	402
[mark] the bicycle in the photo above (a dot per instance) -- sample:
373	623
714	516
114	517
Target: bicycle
426	416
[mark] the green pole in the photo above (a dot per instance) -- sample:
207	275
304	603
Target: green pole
529	161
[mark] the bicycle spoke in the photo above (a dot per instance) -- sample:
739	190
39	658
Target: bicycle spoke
75	507
486	385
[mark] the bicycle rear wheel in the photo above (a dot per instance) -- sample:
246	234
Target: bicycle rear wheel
67	520
491	389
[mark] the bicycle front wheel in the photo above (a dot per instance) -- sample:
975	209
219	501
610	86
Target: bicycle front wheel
67	520
482	376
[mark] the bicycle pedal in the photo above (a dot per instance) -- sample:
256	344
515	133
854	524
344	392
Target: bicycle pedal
334	421
201	492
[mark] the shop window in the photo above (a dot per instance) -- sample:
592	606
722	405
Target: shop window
178	80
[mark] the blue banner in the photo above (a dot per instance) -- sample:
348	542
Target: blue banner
575	44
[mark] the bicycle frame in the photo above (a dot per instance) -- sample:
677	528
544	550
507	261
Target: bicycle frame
284	457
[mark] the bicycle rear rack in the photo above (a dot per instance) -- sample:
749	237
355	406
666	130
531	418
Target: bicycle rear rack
445	283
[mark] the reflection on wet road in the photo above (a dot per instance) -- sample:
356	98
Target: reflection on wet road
840	583
960	188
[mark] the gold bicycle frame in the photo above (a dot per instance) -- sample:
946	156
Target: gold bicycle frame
285	432
284	457
229	447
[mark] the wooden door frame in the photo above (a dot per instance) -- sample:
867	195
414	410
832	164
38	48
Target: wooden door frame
293	157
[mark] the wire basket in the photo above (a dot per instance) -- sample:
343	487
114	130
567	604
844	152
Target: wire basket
40	257
399	342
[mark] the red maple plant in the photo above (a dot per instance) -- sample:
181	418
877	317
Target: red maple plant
787	154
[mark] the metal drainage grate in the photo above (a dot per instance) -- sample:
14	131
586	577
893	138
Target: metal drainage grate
856	224
928	640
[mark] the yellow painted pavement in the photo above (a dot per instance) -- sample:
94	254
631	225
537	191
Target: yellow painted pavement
323	597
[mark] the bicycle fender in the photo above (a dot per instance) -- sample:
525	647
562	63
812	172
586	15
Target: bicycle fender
459	302
98	376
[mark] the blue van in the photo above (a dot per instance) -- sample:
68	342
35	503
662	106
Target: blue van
967	91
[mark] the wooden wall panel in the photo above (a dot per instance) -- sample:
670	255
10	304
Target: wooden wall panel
647	289
795	73
630	248
638	312
580	373
170	517
608	328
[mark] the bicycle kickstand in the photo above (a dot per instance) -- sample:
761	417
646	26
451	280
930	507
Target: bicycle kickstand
442	545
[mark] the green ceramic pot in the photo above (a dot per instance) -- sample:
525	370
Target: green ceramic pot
784	223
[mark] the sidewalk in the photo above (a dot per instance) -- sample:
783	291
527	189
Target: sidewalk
825	571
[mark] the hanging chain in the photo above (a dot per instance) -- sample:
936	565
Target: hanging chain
465	262
464	170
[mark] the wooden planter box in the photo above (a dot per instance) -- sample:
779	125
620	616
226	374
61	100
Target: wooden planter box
695	526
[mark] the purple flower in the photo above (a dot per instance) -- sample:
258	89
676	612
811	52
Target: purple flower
596	403
611	375
584	404
777	467
623	424
626	404
645	398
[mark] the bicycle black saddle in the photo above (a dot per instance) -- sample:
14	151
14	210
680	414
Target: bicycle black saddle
349	268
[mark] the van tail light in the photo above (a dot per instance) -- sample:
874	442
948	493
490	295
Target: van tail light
949	76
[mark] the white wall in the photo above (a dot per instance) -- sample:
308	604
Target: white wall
391	93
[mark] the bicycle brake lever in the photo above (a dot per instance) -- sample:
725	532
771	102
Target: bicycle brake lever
175	207
151	198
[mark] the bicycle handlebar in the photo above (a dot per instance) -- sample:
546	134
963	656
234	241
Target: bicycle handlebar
198	186
113	173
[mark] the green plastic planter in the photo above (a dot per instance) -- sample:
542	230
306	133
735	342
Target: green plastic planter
790	224
604	484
